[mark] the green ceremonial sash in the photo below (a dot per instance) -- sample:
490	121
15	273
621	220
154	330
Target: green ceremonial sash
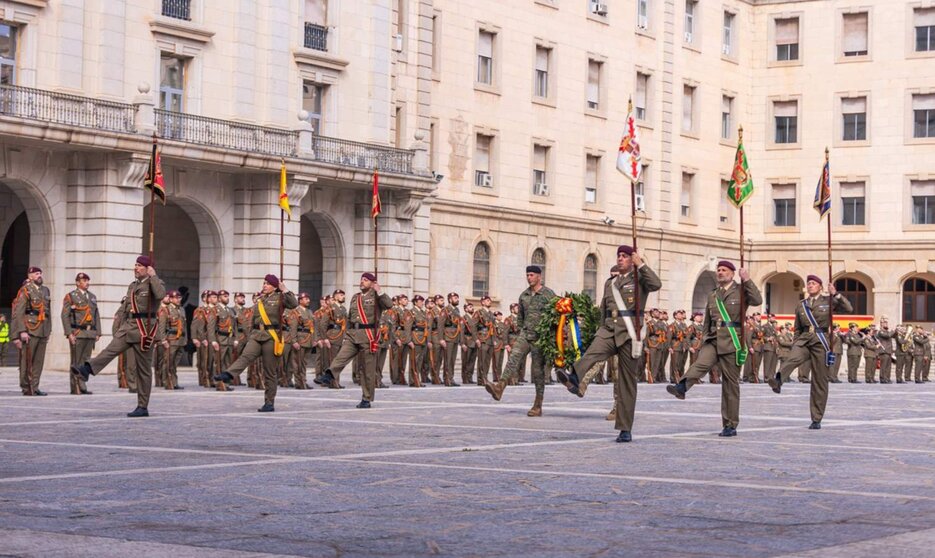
740	352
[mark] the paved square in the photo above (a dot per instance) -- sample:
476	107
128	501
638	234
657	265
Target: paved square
449	472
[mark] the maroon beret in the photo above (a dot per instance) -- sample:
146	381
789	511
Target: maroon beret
240	294
624	249
728	264
272	280
368	276
337	291
33	269
486	297
304	295
417	298
81	276
222	292
814	278
453	294
144	261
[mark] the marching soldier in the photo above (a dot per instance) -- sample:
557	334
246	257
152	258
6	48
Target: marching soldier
334	331
838	338
221	334
30	330
532	304
302	338
199	331
501	344
885	341
679	335
81	322
138	331
854	343
364	315
416	339
617	335
903	353
812	322
769	346
469	344
450	320
871	350
484	337
265	339
919	354
174	338
723	314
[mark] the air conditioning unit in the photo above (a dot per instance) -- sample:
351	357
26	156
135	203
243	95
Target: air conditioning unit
398	42
688	36
599	8
640	202
541	189
485	179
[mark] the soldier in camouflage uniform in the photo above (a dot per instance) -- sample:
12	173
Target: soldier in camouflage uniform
81	322
533	303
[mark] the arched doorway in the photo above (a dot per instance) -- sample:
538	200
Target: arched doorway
178	250
321	256
705	283
783	293
25	237
858	290
14	261
918	300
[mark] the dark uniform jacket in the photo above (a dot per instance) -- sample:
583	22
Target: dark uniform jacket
532	305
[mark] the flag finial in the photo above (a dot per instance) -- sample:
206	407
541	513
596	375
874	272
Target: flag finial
740	132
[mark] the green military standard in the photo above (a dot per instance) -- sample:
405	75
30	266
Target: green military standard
724	310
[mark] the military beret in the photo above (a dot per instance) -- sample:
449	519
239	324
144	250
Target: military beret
728	264
240	294
204	293
625	249
453	294
402	296
33	269
304	295
852	324
222	292
814	278
81	276
175	294
368	276
498	313
272	280
417	298
144	261
486	297
533	269
439	297
212	293
337	292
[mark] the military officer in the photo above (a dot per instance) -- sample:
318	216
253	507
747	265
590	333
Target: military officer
679	336
138	331
335	329
855	341
415	339
484	338
302	339
812	322
362	319
513	335
784	343
885	342
469	344
385	343
174	338
769	346
81	322
903	353
450	320
438	352
30	330
199	331
724	310
265	338
221	333
838	339
501	345
655	341
920	343
871	353
399	353
533	303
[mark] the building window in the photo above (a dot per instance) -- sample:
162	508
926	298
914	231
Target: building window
316	24
433	144
177	9
592	168
400	24
727	104
855	292
685	199
918	301
786	116
688	108
538	258
854	117
856	34
481	281
724	206
690	9
642	14
594	84
924	22
640	189
540	165
312	101
787	39
482	175
853	204
543	56
923	202
400	122
7	54
923	116
485	43
641	103
783	205
172	83
727	40
590	276
436	42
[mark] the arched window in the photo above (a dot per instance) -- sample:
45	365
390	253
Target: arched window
538	258
918	301
481	283
854	291
590	276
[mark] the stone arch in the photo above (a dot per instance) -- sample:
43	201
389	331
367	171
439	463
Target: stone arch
704	284
910	310
25	210
862	299
547	263
782	292
326	258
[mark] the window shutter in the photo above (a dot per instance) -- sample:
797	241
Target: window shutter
854	105
855	32
787	31
485	44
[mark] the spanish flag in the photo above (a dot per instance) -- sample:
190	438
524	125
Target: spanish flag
283	196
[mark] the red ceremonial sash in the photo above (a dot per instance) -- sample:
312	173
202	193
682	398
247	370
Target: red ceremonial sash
146	338
371	336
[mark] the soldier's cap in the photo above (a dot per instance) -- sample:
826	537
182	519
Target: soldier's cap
439	297
144	261
395	298
514	305
304	295
272	280
81	276
222	292
337	292
728	264
852	324
697	314
33	269
625	249
679	312
814	278
486	297
175	294
402	296
418	298
368	276
239	294
533	269
788	323
204	293
453	294
498	313
212	293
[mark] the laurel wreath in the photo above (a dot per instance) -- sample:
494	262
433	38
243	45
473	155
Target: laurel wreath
589	320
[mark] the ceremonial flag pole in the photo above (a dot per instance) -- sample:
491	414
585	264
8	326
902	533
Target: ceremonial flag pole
739	190
630	163
284	210
155	182
822	205
375	209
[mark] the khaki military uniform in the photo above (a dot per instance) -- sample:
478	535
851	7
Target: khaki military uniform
501	340
301	324
885	336
146	294
385	343
417	333
770	342
903	356
172	326
871	353
335	327
679	338
655	345
451	324
31	315
199	331
468	347
854	343
358	342
919	353
612	338
839	339
221	329
80	317
399	352
484	334
718	349
808	347
436	353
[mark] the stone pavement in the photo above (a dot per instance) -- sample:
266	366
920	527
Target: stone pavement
449	472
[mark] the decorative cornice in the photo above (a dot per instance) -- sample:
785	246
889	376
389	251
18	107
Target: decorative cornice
131	169
180	29
318	59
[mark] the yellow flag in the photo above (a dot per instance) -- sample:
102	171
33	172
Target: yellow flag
283	196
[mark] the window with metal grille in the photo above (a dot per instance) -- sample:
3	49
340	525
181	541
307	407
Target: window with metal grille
480	285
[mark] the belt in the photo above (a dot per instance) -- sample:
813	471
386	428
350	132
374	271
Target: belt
173	332
361	326
334	326
223	334
264	327
85	327
31	312
621	314
140	315
728	324
418	328
482	329
303	330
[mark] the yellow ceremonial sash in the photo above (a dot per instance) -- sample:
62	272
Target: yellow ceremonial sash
278	344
